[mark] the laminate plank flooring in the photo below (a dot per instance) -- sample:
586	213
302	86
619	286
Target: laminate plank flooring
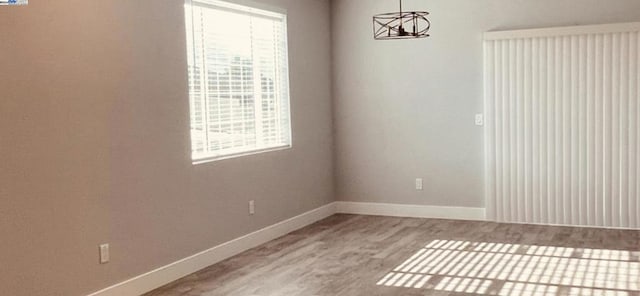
371	255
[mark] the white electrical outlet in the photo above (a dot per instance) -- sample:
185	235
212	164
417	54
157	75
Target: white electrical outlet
419	184
252	207
479	119
104	253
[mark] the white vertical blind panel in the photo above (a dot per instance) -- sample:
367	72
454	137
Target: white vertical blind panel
563	127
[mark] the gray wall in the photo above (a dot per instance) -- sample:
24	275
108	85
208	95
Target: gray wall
94	144
405	109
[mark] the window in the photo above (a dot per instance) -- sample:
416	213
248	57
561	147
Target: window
238	80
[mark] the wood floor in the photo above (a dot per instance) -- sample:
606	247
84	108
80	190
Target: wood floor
369	255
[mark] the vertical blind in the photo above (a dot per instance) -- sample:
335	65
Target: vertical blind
238	79
563	125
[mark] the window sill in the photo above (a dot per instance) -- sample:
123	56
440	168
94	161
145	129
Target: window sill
204	160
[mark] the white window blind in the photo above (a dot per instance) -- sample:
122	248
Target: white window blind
238	80
563	125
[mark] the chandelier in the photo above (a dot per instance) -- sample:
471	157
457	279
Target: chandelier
401	25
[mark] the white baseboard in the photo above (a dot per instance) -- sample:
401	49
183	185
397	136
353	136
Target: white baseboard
411	211
176	270
166	274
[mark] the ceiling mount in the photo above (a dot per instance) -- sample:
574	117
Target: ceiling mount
401	25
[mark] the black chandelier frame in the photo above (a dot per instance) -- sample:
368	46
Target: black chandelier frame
392	25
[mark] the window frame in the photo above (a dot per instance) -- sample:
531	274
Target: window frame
253	10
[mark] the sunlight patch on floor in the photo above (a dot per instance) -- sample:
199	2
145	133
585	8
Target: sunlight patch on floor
515	269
